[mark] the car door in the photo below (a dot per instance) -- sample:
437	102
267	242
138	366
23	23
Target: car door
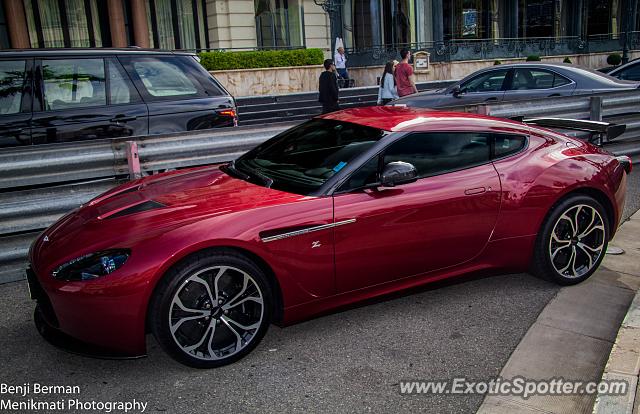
15	102
86	99
488	86
531	83
443	219
180	94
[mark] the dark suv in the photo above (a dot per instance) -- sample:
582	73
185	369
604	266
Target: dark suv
59	95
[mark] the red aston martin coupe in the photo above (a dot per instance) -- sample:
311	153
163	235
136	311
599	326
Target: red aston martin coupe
344	207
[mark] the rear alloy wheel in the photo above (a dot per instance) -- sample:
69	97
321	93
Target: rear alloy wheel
573	241
215	310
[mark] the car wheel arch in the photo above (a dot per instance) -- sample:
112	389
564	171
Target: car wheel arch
589	191
278	306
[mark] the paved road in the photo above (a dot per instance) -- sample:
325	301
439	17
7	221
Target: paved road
346	362
350	361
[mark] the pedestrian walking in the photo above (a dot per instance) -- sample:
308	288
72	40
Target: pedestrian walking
387	90
405	81
328	88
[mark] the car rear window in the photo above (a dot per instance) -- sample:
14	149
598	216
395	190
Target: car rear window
162	78
171	77
537	79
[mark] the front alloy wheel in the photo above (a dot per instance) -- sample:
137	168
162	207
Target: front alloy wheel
216	309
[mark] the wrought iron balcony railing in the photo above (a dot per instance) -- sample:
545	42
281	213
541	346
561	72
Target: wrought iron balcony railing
504	48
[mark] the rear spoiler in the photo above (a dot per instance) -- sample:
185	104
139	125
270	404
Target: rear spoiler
601	132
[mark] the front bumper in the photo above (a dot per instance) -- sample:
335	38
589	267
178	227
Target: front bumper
81	322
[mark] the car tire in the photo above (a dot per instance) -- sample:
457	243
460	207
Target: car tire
572	241
212	309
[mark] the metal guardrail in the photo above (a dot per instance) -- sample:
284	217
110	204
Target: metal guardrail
253	110
41	183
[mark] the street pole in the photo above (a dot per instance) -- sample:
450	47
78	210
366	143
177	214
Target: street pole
625	39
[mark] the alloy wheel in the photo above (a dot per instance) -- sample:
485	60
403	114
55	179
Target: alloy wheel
216	312
577	241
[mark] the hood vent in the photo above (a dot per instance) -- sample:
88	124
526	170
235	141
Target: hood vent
138	208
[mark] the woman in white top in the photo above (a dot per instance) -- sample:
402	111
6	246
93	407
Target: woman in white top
387	90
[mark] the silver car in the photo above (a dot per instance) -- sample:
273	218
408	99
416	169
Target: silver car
518	81
629	71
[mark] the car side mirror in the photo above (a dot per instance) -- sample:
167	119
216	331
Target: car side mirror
397	173
456	92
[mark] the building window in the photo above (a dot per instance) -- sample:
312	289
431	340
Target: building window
466	19
4	34
64	23
369	23
279	23
538	18
177	24
366	23
599	17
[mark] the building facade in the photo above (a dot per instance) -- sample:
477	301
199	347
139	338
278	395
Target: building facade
454	30
163	24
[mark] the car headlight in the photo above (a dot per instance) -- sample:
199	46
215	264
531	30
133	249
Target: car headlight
92	266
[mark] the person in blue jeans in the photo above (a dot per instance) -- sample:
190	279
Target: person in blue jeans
387	90
341	64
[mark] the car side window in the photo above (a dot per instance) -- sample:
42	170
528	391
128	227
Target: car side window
438	153
485	82
73	83
505	145
632	73
525	79
12	77
366	174
120	91
165	77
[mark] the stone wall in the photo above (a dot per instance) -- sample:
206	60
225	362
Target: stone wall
274	81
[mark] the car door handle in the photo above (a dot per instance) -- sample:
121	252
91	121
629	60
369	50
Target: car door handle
473	191
491	99
123	118
14	131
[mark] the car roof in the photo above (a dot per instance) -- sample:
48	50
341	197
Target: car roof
81	52
401	118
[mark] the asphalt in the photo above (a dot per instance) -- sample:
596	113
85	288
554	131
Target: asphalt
350	361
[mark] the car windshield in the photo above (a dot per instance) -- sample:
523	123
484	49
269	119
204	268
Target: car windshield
302	159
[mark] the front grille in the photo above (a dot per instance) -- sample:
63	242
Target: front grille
38	294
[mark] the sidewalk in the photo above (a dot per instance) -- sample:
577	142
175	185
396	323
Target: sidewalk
624	364
574	334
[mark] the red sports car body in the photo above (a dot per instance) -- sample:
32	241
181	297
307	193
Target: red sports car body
318	242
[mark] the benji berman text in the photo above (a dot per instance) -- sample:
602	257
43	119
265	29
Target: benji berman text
36	388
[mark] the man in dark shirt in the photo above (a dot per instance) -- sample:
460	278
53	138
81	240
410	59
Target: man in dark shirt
328	88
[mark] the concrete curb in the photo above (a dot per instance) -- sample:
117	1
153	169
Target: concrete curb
573	336
624	364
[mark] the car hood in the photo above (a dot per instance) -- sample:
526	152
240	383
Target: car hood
205	190
150	206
